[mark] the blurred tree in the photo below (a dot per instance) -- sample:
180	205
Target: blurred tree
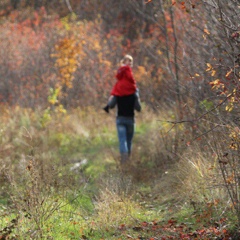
38	4
15	3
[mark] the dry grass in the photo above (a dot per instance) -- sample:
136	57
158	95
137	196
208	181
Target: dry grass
172	170
114	209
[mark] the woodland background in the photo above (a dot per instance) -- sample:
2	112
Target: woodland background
60	175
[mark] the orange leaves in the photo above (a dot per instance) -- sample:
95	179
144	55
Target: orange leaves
86	53
228	74
215	84
67	52
228	88
184	5
181	3
205	33
147	1
141	74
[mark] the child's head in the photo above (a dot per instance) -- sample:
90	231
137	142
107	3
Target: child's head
127	60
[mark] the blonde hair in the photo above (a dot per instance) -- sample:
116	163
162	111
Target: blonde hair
126	57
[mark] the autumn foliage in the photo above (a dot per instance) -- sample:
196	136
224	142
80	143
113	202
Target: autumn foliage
79	53
57	57
80	57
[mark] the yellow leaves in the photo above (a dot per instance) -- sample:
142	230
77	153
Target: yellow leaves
228	73
196	75
216	84
235	138
223	87
82	43
206	32
235	133
213	73
231	100
61	109
67	53
210	69
229	107
53	96
66	21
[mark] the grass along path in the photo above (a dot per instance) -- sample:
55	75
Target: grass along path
63	181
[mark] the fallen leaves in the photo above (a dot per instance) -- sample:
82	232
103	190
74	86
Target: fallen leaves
171	229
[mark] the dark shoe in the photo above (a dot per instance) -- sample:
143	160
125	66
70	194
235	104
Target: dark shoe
106	109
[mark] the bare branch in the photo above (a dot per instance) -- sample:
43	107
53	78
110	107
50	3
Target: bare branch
69	6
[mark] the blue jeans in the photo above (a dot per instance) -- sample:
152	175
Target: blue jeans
125	129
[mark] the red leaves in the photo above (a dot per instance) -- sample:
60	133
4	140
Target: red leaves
235	35
183	6
173	230
144	224
122	227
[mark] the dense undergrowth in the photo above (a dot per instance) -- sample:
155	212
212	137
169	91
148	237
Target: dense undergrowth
61	179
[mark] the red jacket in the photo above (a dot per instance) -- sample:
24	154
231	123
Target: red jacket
126	84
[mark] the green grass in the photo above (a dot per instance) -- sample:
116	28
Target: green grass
96	200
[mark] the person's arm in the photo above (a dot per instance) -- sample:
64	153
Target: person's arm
137	103
112	101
